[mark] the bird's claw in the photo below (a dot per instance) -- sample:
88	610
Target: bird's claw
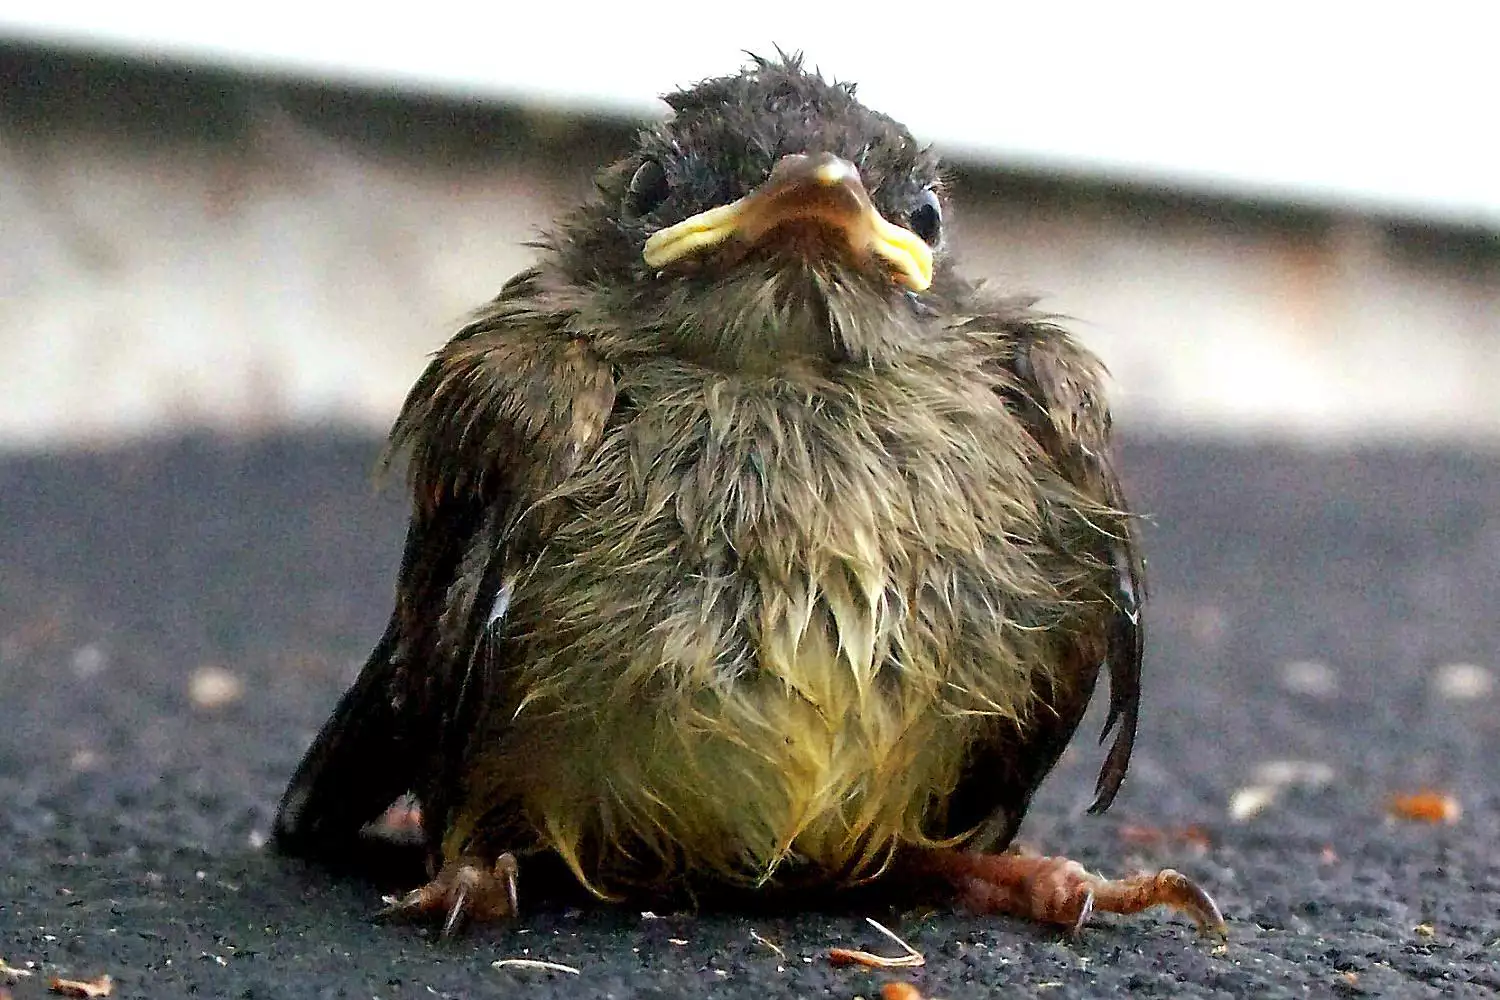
1176	890
1059	891
465	889
1134	893
1084	912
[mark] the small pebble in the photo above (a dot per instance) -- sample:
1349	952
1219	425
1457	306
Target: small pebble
1310	677
89	661
1426	806
214	687
1463	681
1271	778
1310	775
1251	801
84	760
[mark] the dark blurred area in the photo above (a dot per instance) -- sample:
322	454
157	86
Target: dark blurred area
177	618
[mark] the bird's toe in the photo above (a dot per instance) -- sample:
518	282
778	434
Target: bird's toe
464	889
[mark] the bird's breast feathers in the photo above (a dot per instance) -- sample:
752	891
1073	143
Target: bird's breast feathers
772	617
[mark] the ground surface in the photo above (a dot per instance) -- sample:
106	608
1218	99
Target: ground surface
134	813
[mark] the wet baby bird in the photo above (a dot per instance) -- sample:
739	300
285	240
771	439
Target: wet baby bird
750	546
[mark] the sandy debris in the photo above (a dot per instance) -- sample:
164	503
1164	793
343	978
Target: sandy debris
1271	778
1309	677
211	688
1426	806
1463	681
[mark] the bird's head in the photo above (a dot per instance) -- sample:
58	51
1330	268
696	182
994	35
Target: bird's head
771	217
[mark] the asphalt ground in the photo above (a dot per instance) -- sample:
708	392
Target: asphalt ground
176	619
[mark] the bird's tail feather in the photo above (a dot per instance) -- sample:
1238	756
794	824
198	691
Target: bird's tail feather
356	767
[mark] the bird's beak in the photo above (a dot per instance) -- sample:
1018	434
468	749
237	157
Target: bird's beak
823	189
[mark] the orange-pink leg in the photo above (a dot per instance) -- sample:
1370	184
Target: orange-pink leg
465	889
1059	891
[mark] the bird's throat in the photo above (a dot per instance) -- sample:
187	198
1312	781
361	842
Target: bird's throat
760	320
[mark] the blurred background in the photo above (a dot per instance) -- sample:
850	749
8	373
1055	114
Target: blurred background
1280	221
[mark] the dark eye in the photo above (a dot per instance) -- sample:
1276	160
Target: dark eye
926	220
648	188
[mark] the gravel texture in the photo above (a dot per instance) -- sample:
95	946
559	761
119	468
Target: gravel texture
177	618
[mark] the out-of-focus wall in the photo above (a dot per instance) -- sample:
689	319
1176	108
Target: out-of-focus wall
183	248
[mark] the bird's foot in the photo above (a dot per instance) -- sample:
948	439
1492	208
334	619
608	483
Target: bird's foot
465	889
1059	891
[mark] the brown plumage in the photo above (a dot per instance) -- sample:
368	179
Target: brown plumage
749	544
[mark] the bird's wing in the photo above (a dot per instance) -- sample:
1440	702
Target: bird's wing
503	414
1058	393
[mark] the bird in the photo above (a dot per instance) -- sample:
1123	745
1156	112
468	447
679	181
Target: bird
750	545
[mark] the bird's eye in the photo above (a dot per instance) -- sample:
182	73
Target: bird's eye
648	188
926	220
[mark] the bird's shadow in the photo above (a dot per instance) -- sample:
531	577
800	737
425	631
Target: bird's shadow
379	864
